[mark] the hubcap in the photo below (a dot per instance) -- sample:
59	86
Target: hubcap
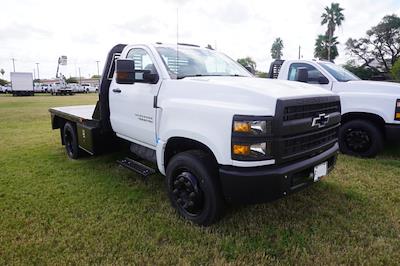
187	194
358	140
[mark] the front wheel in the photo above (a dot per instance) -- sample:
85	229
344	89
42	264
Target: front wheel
193	187
360	138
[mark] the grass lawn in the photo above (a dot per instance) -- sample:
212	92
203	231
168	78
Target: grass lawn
54	210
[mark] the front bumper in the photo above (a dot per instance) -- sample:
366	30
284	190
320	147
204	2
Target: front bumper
392	132
266	183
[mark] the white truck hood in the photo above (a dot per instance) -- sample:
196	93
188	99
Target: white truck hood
374	87
268	87
236	95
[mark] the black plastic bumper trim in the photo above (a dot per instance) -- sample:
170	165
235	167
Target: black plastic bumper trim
392	132
266	183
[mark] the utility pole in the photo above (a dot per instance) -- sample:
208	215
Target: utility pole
13	59
98	72
37	66
80	78
299	51
34	74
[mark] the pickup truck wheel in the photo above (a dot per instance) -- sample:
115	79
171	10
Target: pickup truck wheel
71	141
360	138
192	187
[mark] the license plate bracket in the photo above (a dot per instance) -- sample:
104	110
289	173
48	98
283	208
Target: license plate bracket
320	171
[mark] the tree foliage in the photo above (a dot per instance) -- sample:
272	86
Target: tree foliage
247	62
3	82
276	49
332	17
395	71
382	43
321	49
2	72
72	80
362	72
96	77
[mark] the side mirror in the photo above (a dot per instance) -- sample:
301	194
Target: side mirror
149	77
302	74
250	69
323	80
125	71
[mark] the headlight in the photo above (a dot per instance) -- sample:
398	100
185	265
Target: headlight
251	125
251	138
397	111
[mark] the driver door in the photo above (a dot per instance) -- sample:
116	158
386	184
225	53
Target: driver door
132	112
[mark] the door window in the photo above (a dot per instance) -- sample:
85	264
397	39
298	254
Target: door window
314	75
143	62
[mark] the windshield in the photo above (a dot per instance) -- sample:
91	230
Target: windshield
193	62
339	73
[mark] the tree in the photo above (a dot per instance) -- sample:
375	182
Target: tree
321	49
276	49
395	72
333	17
96	77
2	72
247	62
71	80
382	43
3	82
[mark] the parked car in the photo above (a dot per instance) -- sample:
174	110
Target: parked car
370	109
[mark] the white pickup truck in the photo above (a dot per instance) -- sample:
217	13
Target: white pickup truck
215	131
370	109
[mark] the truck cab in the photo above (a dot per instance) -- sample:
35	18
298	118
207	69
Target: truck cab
215	131
370	109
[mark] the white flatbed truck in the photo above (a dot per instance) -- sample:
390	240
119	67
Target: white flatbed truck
216	132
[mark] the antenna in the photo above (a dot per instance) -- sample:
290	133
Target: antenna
177	41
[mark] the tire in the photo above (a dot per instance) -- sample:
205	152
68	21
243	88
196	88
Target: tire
360	138
71	141
193	188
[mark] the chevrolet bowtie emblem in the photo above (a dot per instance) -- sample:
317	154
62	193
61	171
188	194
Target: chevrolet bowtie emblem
320	121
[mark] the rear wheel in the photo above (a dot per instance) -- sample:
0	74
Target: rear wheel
193	188
360	138
71	141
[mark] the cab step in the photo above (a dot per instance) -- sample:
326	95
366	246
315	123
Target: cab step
136	166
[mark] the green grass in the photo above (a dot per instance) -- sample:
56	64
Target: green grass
58	211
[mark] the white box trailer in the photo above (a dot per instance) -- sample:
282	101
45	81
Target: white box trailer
22	83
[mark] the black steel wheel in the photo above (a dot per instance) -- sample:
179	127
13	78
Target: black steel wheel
360	138
187	193
71	141
193	188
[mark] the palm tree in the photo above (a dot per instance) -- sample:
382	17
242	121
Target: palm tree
333	17
276	49
322	45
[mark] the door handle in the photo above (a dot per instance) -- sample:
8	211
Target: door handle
116	90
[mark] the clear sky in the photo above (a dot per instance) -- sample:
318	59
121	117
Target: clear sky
40	31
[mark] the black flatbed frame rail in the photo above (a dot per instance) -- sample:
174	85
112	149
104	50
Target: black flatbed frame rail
91	137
